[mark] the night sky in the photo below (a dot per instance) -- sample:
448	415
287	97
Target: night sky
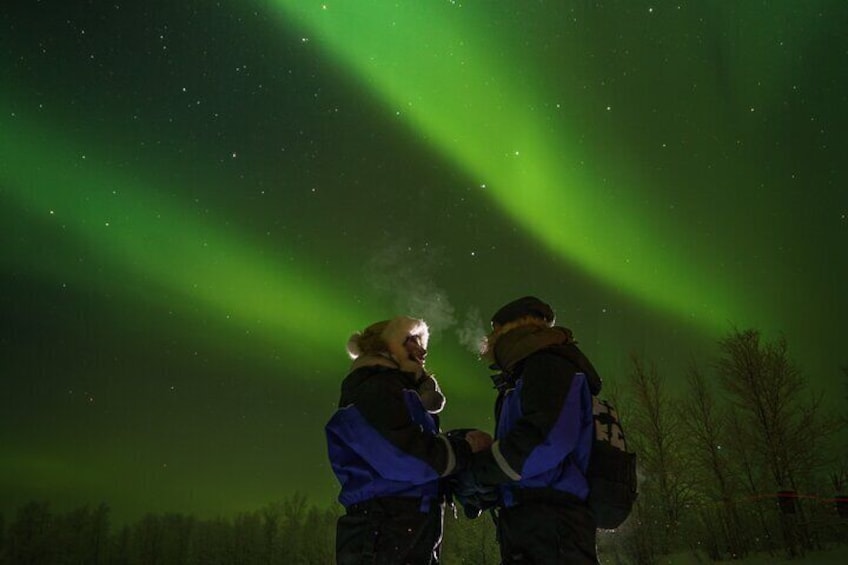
201	200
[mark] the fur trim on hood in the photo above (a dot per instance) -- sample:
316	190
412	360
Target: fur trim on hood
386	339
487	348
382	344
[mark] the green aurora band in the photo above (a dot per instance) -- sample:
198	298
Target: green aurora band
433	64
161	241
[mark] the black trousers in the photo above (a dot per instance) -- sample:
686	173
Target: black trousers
547	530
390	531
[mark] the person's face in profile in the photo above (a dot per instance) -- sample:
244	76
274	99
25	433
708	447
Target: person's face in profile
414	349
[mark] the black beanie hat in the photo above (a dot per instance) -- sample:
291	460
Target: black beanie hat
527	306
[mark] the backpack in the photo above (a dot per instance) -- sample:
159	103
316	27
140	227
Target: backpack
611	473
612	469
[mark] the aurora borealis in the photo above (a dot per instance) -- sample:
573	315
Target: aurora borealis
200	201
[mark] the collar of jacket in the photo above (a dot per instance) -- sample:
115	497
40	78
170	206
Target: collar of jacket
415	372
523	341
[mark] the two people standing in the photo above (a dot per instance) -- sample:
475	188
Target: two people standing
392	460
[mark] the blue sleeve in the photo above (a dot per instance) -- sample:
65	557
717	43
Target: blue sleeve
380	428
548	427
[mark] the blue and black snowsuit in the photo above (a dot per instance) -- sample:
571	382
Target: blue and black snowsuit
543	441
386	451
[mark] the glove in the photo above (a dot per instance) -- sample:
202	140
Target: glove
431	395
470	494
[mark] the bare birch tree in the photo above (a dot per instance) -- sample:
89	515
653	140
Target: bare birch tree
780	419
655	433
706	426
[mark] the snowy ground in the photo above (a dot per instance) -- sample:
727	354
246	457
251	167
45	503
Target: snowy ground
835	556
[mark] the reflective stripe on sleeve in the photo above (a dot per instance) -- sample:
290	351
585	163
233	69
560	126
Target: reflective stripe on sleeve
451	456
505	467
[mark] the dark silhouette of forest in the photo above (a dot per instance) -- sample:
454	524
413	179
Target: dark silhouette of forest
288	532
745	460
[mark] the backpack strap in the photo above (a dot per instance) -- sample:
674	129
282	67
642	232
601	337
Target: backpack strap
571	352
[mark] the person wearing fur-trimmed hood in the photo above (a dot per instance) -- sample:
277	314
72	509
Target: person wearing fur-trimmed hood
387	451
543	438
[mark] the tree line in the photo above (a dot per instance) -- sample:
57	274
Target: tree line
745	458
288	532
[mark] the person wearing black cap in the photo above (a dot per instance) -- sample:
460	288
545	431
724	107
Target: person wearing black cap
387	451
543	438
